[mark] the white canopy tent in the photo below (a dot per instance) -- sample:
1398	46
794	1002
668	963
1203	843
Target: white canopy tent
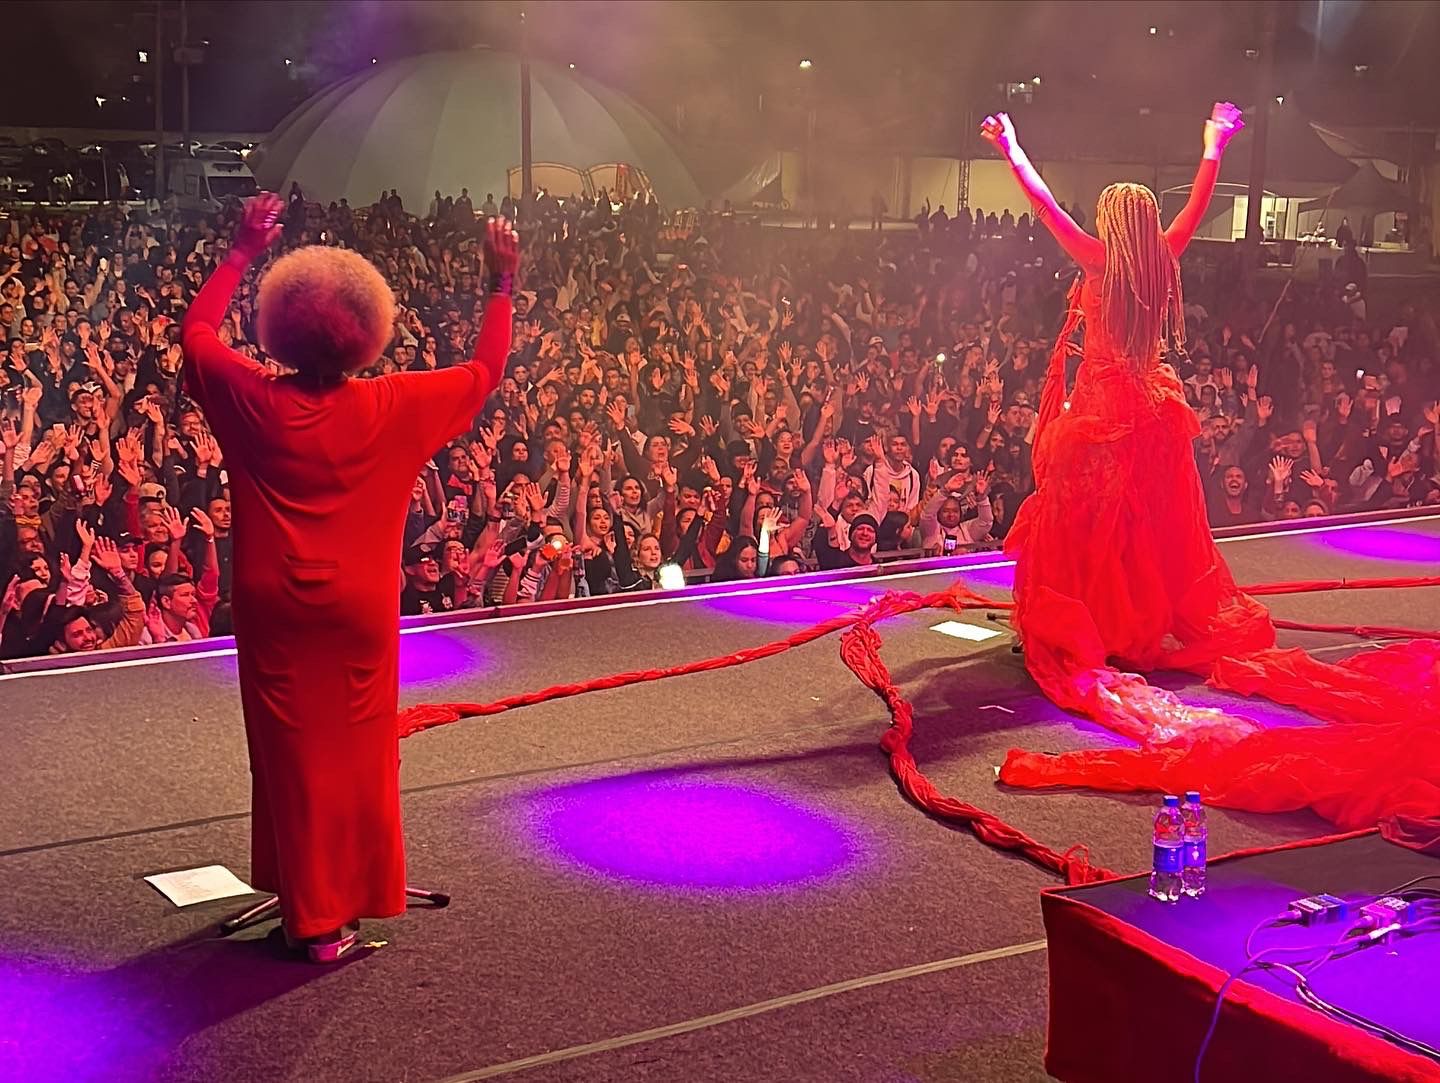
443	121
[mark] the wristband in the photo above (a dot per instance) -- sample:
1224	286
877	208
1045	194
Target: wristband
501	283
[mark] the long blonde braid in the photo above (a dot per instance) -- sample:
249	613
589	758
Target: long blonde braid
1142	308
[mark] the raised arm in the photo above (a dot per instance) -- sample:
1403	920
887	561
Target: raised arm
1084	249
436	405
1224	122
210	364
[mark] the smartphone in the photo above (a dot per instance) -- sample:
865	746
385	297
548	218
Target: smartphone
104	265
557	543
949	546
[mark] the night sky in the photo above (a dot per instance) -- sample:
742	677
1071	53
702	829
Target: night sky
896	72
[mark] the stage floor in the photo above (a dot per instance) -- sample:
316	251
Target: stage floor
710	877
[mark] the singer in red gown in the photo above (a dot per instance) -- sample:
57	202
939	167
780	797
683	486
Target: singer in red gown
1115	563
1114	557
321	467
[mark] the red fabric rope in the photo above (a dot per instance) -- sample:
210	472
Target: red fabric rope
1308	586
860	650
427	715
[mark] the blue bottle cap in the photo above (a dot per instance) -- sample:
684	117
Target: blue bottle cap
1171	801
1192	795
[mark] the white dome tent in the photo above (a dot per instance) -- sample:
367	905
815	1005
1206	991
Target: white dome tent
443	121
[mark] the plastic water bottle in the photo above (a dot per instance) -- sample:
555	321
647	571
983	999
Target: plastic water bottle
1168	858
1192	813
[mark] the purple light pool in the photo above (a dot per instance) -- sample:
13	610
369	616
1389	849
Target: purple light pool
1406	545
61	1024
683	831
425	657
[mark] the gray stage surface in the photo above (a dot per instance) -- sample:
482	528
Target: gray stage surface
711	877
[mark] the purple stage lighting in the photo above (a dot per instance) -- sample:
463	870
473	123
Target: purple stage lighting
683	831
440	655
1407	545
66	1025
425	658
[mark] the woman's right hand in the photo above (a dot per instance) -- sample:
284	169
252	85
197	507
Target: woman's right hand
998	130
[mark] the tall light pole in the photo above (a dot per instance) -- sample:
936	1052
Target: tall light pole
527	180
182	55
811	198
159	57
1261	131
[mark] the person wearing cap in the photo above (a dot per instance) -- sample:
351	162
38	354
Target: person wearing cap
321	467
422	593
863	532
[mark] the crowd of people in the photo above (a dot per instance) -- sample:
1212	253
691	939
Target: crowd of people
718	401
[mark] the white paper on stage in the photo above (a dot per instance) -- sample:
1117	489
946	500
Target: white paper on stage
205	884
960	630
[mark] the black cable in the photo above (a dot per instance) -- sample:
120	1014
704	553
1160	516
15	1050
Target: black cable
1350	939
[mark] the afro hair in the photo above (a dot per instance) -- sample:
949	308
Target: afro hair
325	312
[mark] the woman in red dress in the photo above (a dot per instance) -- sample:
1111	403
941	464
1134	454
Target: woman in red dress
1114	561
1113	552
321	468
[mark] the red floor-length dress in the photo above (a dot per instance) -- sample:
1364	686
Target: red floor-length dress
1114	557
320	481
1115	563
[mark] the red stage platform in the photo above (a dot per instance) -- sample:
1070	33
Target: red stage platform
1133	981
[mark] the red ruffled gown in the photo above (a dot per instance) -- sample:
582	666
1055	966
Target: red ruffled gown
1115	563
320	481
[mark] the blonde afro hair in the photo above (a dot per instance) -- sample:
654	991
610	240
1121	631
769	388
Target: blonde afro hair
325	311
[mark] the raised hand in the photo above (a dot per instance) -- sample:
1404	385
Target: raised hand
11	601
748	481
802	480
107	556
1280	468
616	413
259	224
1312	479
1224	124
502	248
1264	408
1343	405
494	555
174	523
202	523
999	132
